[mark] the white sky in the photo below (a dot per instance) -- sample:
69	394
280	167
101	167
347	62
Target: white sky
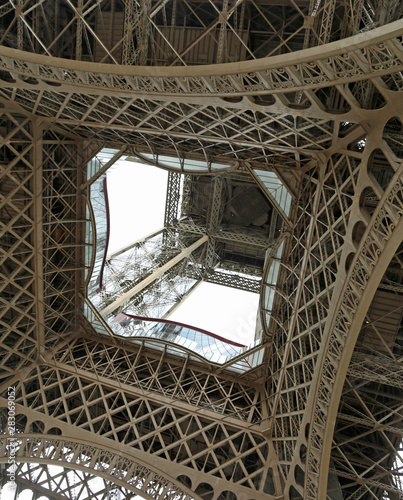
225	311
137	196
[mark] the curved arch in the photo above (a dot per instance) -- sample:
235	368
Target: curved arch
190	81
46	483
114	467
351	339
380	241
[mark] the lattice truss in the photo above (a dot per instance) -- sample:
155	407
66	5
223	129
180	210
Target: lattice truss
153	419
65	483
55	482
369	423
38	211
341	241
212	265
286	127
123	272
330	398
140	32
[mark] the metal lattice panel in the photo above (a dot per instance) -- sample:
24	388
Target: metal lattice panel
320	416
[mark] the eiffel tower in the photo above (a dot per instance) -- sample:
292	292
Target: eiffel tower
280	124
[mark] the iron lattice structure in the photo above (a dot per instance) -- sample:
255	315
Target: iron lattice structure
307	94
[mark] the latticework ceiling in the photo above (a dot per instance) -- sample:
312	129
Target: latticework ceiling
305	94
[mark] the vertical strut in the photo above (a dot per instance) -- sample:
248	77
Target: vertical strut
38	234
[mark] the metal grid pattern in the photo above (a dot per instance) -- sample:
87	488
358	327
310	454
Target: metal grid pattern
84	101
58	483
331	114
309	345
39	172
